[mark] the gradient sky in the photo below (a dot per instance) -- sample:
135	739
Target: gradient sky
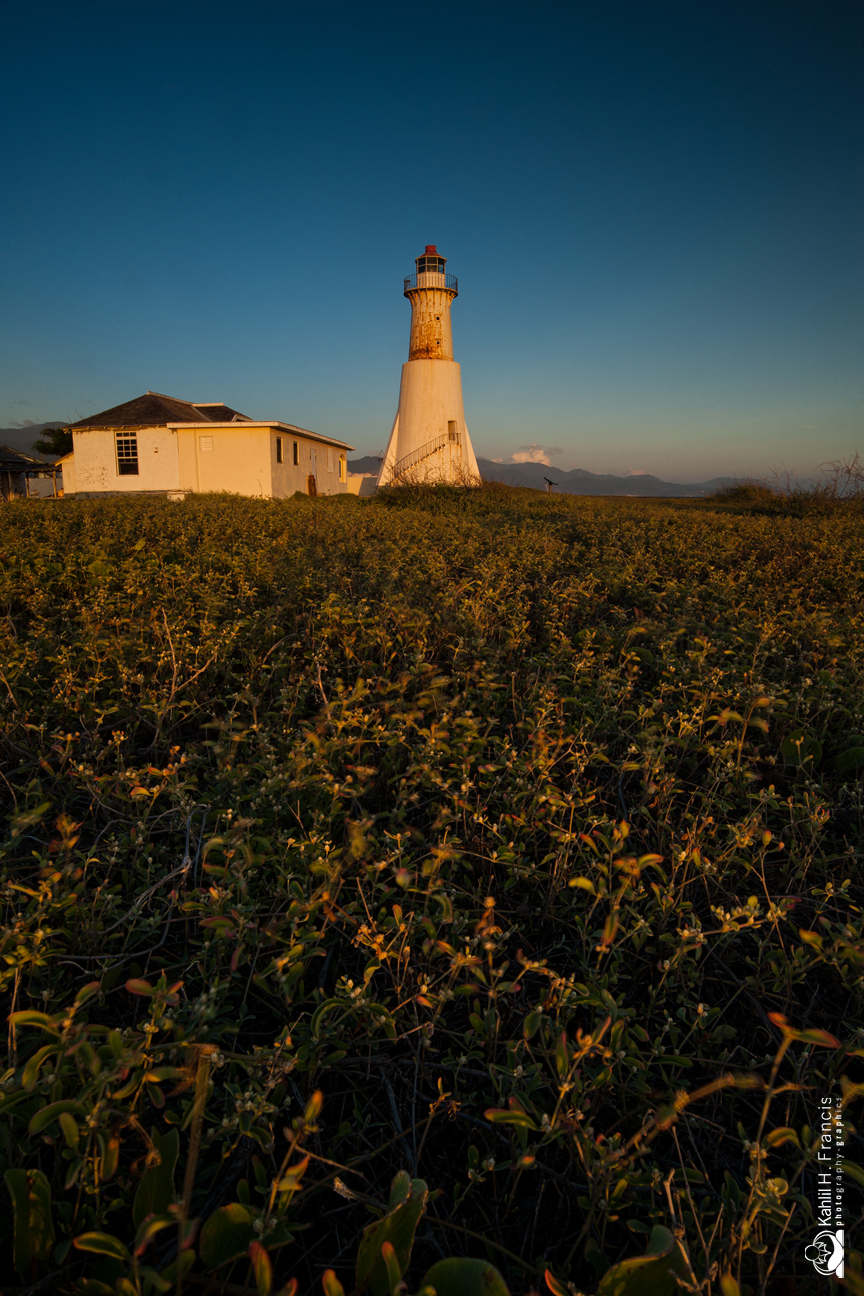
654	208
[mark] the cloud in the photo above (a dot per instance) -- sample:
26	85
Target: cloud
637	472
535	454
21	402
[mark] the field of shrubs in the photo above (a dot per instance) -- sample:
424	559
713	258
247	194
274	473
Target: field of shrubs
451	890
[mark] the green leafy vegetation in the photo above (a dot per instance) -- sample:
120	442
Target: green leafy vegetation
452	889
54	442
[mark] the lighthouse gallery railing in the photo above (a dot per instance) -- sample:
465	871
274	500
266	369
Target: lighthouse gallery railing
440	281
423	452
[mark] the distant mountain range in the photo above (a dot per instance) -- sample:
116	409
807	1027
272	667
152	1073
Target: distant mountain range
576	482
19	438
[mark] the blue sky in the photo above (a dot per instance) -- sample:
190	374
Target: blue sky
654	210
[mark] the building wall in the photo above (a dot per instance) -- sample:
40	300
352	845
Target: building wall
236	460
96	461
67	467
319	461
239	459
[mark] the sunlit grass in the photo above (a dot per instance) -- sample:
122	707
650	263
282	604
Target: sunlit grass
502	821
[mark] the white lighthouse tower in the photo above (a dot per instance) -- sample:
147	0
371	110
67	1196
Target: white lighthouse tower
429	441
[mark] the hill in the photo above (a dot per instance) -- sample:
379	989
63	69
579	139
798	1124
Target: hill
18	438
578	481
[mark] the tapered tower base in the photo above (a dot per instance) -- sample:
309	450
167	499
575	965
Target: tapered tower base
429	441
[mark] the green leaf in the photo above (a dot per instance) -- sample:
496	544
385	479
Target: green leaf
556	1288
102	1244
391	1264
138	987
379	1011
31	1211
854	1171
396	1227
156	1189
46	1115
514	1115
186	1261
30	1074
150	1227
227	1234
161	1284
585	884
400	1189
729	1286
849	759
801	749
820	1038
320	1013
331	1284
70	1130
654	1274
261	1267
460	1276
532	1023
87	992
784	1134
29	1018
313	1108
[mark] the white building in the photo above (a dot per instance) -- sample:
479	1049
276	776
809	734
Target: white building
429	441
158	445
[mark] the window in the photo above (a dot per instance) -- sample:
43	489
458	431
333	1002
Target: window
296	452
279	458
127	454
205	443
343	468
451	430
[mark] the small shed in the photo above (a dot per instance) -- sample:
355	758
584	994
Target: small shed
23	477
160	445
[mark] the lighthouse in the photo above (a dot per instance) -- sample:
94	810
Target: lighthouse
429	440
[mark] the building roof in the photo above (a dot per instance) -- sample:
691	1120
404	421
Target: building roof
155	410
16	461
